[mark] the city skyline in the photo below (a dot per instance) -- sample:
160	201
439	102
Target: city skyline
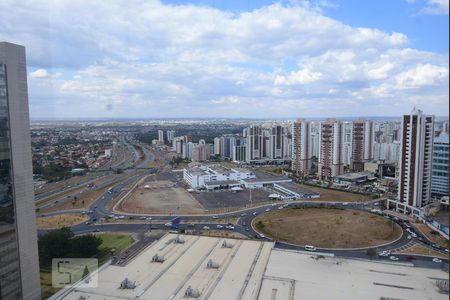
206	58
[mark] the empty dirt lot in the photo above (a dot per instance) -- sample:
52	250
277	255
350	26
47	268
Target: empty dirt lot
161	197
228	199
334	195
327	228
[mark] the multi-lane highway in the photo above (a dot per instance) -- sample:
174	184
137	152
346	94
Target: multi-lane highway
99	210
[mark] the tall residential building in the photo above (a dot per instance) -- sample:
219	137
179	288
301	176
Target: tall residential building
227	143
217	141
188	150
389	152
416	159
19	263
445	127
170	135
315	143
177	144
201	152
278	143
362	143
239	153
301	147
439	175
255	143
347	129
161	136
330	154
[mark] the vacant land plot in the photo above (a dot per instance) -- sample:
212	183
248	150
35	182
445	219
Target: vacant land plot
432	235
327	228
228	199
338	196
161	197
419	249
59	221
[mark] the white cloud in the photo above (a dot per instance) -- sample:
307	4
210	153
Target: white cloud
422	75
39	73
148	59
304	76
436	7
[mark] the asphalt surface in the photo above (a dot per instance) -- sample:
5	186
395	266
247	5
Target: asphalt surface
98	210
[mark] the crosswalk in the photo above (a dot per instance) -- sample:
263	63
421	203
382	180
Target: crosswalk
404	247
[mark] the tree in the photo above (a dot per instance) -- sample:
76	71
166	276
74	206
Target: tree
85	245
371	253
54	244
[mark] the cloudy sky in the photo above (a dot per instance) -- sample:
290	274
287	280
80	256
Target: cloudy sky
232	58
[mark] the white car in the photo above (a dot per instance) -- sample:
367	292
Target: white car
219	226
384	253
268	209
262	235
148	218
280	207
231	227
345	203
310	248
215	217
121	217
414	235
206	228
437	260
409	237
255	213
243	214
394	258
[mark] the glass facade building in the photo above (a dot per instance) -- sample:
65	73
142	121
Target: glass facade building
19	264
439	176
9	253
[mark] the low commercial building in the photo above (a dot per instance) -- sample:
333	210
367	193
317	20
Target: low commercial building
184	267
264	182
199	267
291	190
351	179
199	175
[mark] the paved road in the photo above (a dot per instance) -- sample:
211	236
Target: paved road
98	210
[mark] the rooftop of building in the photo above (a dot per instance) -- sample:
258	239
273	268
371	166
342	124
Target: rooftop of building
272	179
255	270
309	277
355	176
237	275
221	182
296	188
210	169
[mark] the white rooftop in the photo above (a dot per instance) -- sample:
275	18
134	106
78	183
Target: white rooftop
240	271
337	278
253	270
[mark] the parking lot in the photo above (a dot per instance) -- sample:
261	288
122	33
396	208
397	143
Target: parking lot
226	199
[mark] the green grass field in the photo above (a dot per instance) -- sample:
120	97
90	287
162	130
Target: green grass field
116	241
109	241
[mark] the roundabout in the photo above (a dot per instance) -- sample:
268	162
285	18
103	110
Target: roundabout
327	228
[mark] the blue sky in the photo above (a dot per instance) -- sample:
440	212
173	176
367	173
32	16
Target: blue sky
427	31
232	58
